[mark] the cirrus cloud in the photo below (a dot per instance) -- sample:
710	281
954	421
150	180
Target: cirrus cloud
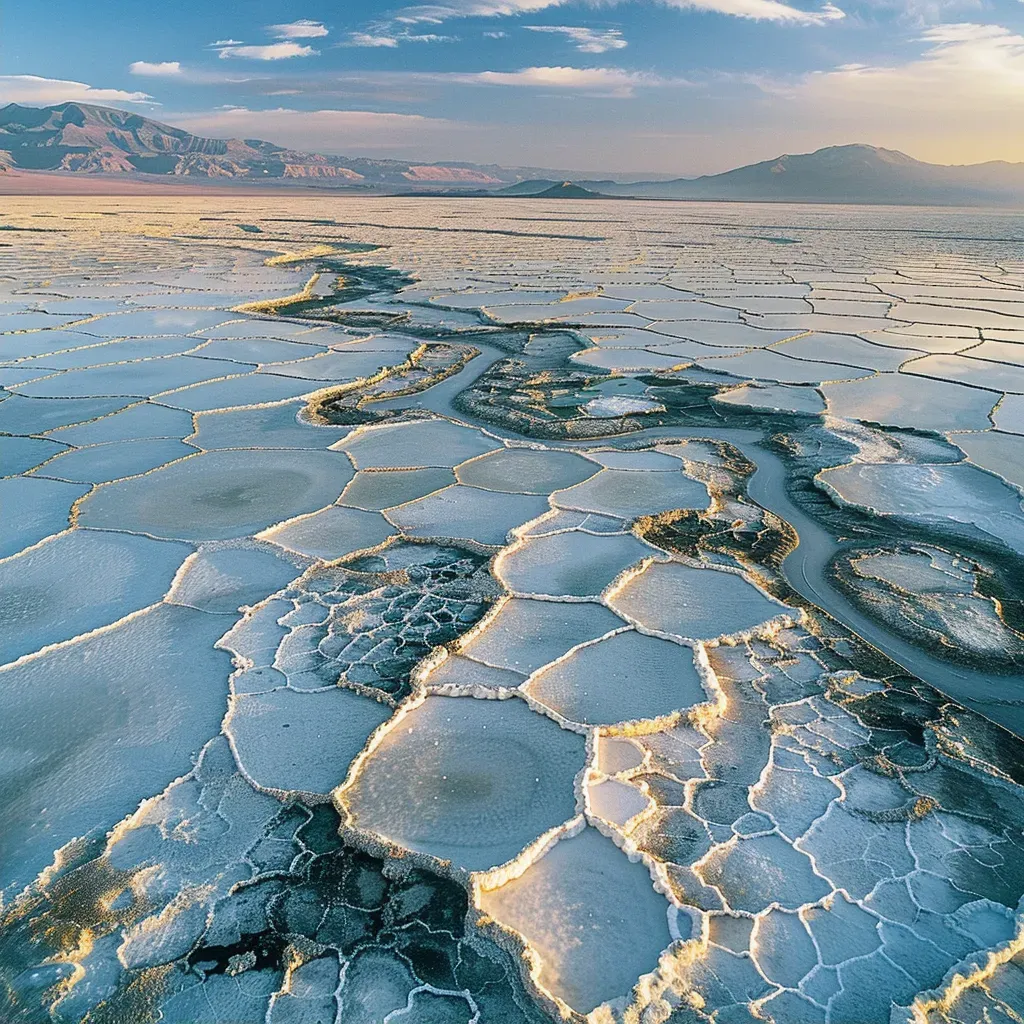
369	39
304	28
587	40
965	67
763	10
757	10
434	14
388	40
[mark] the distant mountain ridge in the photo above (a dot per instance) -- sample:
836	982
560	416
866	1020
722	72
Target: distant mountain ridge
79	138
86	139
837	174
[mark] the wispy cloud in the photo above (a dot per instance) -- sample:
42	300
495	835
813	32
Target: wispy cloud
763	10
389	40
760	10
435	14
964	67
304	28
32	89
368	39
613	82
271	51
161	69
587	40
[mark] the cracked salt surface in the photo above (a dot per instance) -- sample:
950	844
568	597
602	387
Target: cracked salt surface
499	713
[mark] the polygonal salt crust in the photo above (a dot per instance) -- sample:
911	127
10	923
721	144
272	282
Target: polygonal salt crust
346	364
377	983
132	380
524	635
936	886
918	571
467	513
381	489
471	782
218	495
282	330
626	360
770	364
509	297
30	320
461	675
931	493
145	420
848	350
101	464
978	373
1009	415
301	743
21	346
616	802
775	398
97	726
627	494
612	407
1002	454
754	874
1009	351
592	917
109	352
277	426
331	533
623	678
953	315
78	581
711	332
571	564
682	309
257	637
20	454
222	580
262	351
415	444
526	471
783	948
251	389
34	508
693	603
899	400
685	350
21	415
559	521
641	461
390	343
148	323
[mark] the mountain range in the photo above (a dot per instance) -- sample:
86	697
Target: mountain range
78	138
848	174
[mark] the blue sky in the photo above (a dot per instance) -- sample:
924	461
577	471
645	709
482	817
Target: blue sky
674	86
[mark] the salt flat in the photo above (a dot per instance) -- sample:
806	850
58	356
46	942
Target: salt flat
613	616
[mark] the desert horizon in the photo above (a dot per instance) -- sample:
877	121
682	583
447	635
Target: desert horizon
437	587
